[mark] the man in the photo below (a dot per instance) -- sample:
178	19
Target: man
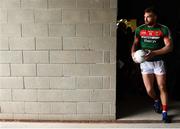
155	38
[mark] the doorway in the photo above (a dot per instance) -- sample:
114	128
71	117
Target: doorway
131	97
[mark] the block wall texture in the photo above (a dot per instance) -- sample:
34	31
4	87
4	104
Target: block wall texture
58	59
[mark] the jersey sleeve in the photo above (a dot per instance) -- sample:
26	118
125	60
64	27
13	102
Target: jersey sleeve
167	33
137	33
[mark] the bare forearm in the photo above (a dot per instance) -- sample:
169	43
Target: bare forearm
163	50
135	45
133	49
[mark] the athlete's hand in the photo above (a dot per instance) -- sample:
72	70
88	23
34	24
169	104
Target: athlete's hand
150	54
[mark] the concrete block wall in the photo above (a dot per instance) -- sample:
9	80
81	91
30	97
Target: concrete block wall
58	59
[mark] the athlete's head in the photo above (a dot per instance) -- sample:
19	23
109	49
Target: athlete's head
150	16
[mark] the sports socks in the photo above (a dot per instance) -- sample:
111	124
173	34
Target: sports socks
164	108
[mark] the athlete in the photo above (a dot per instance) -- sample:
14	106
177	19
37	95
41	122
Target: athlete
157	39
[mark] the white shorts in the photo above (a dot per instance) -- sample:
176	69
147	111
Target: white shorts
153	67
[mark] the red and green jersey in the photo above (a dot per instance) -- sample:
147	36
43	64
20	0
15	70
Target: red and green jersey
152	37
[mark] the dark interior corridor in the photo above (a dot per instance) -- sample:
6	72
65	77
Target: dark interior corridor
130	88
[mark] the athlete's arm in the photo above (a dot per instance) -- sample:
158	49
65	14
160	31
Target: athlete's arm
134	46
166	49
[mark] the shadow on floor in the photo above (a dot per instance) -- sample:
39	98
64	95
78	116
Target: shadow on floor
132	105
139	107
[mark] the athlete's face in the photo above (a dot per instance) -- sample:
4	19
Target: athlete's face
150	18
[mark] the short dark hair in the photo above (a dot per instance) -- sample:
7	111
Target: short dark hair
151	10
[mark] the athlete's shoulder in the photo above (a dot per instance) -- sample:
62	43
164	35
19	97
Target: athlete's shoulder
162	26
141	26
165	29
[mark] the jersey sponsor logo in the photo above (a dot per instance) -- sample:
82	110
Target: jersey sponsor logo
151	33
149	41
148	37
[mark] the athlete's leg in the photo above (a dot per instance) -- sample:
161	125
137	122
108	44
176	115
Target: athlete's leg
161	81
148	80
147	70
160	74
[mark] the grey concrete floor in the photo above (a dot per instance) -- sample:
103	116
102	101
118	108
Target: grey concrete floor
85	125
140	108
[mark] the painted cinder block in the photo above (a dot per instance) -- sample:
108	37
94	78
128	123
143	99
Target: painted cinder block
58	59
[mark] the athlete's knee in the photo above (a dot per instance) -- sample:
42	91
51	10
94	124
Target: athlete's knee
149	91
162	88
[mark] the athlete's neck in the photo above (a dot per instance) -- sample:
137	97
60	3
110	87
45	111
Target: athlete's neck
151	25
